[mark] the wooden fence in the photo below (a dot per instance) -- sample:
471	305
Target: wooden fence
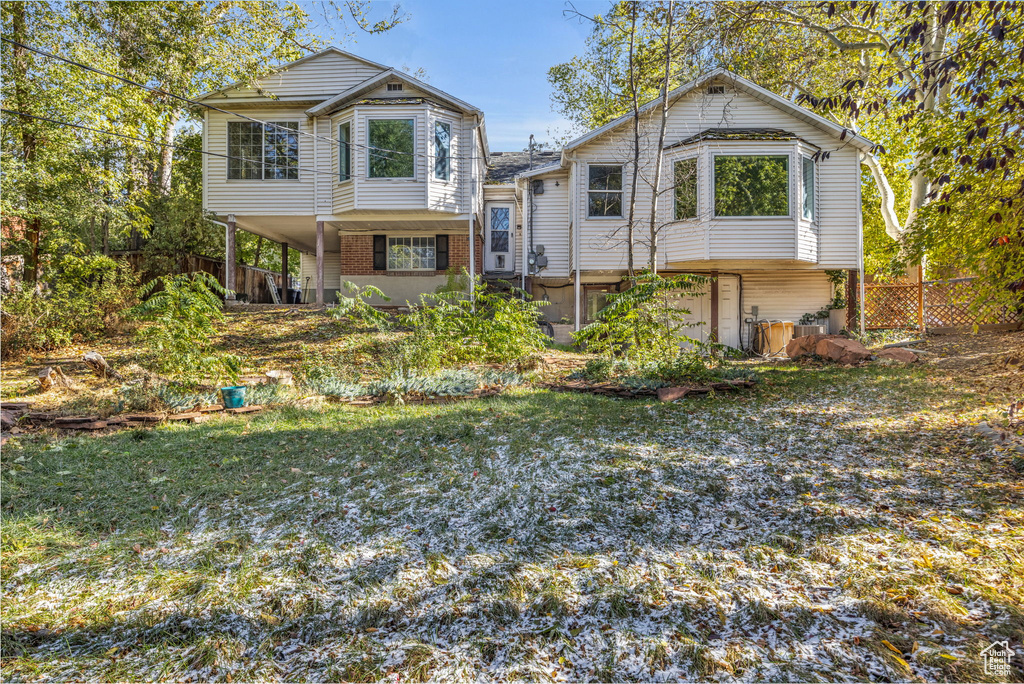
935	305
250	282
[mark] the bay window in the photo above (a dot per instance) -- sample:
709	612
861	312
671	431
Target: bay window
685	172
263	151
442	150
807	189
751	185
344	151
391	153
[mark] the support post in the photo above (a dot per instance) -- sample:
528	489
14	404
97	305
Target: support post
472	254
714	306
285	279
229	259
319	263
852	299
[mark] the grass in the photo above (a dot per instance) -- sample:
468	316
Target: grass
835	524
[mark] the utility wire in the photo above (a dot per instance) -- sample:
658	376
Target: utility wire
162	144
161	91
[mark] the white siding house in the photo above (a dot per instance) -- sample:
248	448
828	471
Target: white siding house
378	178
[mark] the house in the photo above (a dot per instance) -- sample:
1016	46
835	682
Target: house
379	178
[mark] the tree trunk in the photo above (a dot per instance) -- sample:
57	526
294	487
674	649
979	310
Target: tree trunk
259	248
163	176
19	58
659	151
630	237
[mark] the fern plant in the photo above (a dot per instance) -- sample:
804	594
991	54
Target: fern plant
357	311
181	311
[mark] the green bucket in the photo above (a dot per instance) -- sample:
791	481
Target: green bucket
233	397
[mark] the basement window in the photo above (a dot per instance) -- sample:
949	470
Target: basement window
412	253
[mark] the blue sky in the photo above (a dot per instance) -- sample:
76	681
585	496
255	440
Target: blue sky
494	55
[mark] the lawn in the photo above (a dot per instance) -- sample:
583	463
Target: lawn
834	524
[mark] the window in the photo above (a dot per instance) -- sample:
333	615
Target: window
751	185
499	262
344	151
395	87
499	229
412	253
716	90
263	151
442	150
686	189
807	199
605	191
391	148
595	302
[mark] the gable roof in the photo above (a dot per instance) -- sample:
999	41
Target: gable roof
739	134
284	67
745	85
390	75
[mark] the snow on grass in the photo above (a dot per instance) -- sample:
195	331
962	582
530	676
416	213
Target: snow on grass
842	528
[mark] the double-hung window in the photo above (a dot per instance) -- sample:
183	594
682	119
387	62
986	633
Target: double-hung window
412	253
807	192
751	185
685	189
344	151
263	151
604	191
442	150
391	153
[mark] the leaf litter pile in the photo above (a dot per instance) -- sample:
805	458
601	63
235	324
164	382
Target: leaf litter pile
836	524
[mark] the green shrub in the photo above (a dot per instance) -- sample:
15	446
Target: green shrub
449	328
181	311
355	310
641	324
85	300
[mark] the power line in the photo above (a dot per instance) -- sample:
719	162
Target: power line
161	91
157	142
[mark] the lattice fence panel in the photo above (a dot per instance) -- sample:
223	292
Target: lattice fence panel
948	305
890	306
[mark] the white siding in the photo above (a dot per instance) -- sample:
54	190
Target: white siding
389	193
332	271
445	195
257	197
550	213
325	76
784	295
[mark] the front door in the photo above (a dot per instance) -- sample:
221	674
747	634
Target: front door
499	254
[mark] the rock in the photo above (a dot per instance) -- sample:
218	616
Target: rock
672	393
7	420
802	346
897	354
842	350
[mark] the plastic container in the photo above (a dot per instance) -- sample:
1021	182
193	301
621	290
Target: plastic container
233	397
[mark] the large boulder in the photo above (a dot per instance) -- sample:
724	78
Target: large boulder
897	354
805	345
842	350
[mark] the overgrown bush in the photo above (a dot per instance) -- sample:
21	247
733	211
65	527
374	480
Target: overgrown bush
449	328
643	324
181	311
84	300
356	311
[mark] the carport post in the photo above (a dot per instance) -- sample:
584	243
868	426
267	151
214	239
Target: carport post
319	263
285	280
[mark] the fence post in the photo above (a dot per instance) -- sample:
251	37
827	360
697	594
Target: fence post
920	298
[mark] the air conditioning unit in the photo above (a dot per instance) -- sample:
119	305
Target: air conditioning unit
801	330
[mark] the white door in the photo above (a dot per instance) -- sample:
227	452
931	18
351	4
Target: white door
699	317
500	249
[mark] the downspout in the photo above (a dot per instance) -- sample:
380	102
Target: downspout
472	211
574	213
860	255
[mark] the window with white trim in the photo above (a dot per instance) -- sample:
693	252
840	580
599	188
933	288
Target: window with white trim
685	191
442	150
392	148
412	253
604	191
263	151
807	191
344	151
752	185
